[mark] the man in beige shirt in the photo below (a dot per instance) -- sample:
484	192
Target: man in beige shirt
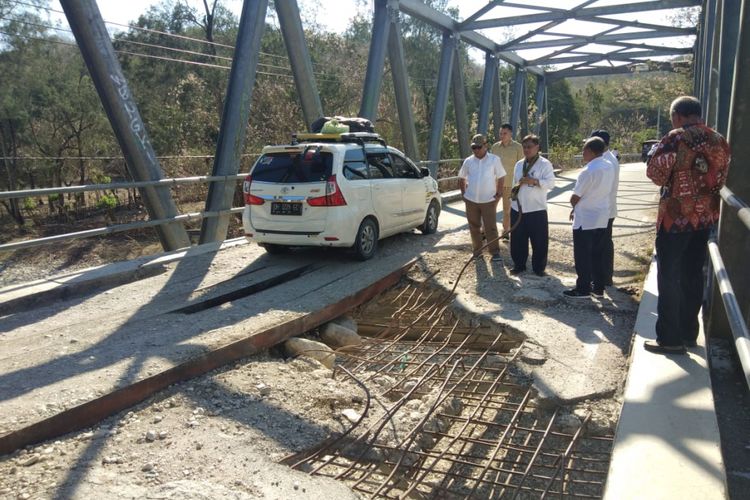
510	153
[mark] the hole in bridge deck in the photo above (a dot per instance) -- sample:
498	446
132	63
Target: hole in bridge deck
208	303
450	415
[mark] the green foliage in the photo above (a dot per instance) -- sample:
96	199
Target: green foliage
107	202
29	204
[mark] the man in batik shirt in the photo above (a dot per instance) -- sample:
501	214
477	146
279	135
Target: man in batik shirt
690	164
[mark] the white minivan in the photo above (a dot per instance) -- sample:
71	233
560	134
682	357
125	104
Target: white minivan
337	190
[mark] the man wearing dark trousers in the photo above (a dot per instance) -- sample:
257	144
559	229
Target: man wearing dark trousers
690	164
608	250
590	201
533	178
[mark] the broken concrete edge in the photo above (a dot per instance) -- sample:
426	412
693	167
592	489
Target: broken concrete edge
96	410
24	296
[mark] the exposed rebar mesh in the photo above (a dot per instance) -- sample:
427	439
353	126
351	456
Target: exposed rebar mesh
451	418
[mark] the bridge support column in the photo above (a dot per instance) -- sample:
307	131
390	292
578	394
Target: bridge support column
540	125
234	118
96	48
401	89
447	55
730	23
490	70
518	90
459	105
375	61
497	107
707	50
299	59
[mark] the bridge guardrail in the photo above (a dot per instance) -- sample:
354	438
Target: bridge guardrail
737	323
117	228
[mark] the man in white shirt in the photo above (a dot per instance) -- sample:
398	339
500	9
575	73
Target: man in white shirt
590	214
481	182
533	178
608	253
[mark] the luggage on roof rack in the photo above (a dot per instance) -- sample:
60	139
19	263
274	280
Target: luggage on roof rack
355	124
355	137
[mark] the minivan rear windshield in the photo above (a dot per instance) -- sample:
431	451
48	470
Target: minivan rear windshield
293	167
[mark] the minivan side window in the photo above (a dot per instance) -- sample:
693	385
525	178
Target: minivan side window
380	165
355	166
403	169
356	170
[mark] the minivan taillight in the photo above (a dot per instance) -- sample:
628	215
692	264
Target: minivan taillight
333	197
250	199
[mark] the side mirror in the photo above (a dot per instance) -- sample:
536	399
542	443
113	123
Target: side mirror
425	171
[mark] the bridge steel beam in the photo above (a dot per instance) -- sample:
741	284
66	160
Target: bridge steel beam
299	59
401	89
515	110
730	24
734	238
698	55
581	14
540	122
459	105
488	80
715	56
96	48
235	117
708	36
376	60
524	110
497	107
447	55
419	10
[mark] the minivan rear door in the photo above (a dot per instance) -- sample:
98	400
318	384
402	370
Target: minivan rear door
284	179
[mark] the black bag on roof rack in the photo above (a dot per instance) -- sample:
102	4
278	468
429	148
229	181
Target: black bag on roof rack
356	124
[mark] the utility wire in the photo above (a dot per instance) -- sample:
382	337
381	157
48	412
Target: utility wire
266	65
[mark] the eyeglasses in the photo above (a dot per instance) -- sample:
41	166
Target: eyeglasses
475	146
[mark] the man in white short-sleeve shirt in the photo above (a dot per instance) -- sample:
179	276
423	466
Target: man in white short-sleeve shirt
608	254
481	182
533	178
590	215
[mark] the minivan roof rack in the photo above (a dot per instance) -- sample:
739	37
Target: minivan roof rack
351	137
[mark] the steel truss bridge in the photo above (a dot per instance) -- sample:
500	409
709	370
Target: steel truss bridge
616	41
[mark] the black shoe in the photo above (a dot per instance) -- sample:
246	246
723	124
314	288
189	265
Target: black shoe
655	347
541	274
576	294
597	293
517	270
690	343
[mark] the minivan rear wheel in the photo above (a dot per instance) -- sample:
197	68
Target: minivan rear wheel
430	224
275	249
367	240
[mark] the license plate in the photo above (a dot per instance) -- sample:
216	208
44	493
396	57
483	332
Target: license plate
280	208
